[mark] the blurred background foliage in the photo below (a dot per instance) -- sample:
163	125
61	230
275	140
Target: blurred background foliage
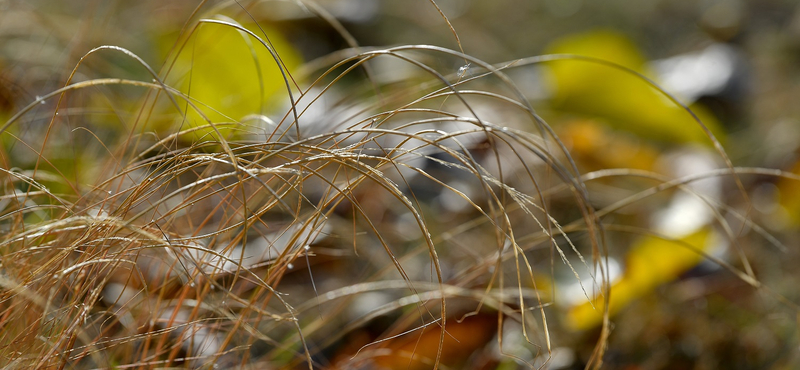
736	63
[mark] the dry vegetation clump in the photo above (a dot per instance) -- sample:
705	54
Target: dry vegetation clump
399	208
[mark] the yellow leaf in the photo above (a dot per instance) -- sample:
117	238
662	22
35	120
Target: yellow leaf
231	74
622	99
789	190
650	263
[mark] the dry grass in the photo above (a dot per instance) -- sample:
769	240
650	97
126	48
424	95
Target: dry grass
396	199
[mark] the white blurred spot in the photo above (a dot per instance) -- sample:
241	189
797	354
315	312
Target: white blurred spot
258	250
574	292
691	76
407	227
365	303
454	202
688	212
